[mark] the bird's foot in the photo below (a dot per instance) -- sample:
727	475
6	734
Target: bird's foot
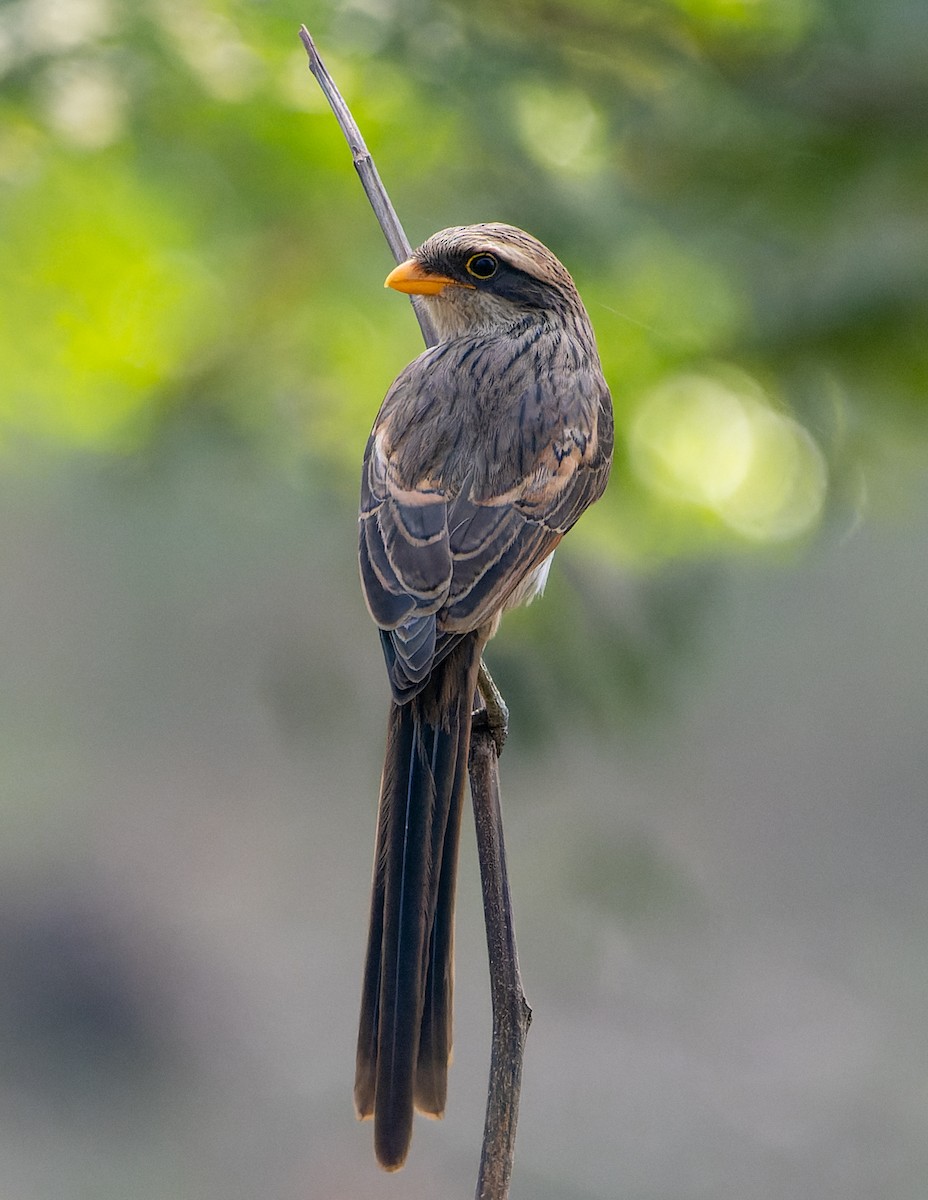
494	712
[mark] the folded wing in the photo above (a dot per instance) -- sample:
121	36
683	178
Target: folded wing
444	543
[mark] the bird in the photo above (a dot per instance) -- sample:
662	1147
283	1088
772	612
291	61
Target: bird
486	450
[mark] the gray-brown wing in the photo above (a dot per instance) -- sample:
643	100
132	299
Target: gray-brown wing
406	568
499	534
451	525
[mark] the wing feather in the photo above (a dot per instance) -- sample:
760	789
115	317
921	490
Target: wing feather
464	498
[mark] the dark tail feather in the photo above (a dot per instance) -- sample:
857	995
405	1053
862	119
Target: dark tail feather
404	1041
435	1030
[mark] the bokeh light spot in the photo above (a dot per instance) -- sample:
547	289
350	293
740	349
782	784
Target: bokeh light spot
560	128
85	104
692	440
714	441
783	493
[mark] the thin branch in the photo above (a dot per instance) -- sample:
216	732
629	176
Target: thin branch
370	179
511	1014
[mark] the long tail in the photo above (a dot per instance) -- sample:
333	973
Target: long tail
404	1041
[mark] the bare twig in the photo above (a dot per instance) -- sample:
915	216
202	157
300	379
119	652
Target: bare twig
511	1014
370	180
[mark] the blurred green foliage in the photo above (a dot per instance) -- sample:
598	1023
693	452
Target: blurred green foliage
738	185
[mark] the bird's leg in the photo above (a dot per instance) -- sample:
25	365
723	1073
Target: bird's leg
494	707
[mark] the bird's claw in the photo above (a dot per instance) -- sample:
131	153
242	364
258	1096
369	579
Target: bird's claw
494	715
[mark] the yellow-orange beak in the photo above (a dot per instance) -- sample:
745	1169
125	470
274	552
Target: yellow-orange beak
409	277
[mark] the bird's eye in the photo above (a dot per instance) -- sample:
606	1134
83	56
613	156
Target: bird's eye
482	266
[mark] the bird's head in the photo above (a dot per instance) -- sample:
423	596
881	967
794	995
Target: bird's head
487	278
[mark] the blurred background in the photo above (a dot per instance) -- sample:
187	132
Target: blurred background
715	785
